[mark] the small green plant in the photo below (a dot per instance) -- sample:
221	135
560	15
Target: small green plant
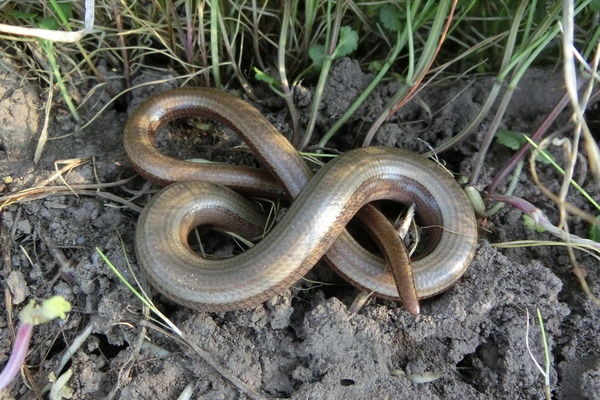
546	370
515	140
31	315
64	12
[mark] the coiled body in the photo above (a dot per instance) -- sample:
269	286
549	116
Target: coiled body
313	226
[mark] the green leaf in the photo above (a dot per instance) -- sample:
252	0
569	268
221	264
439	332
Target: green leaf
595	5
347	43
375	66
48	23
390	17
65	8
512	140
399	77
317	55
22	14
263	77
532	225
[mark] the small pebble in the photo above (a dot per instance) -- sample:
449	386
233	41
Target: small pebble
18	287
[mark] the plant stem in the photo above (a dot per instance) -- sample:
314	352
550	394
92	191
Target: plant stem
333	30
214	42
17	357
400	42
285	85
48	47
437	34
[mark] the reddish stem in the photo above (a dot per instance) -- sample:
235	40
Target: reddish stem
17	357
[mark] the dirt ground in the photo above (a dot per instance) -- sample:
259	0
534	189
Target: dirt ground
468	343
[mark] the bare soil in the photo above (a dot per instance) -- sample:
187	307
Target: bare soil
468	343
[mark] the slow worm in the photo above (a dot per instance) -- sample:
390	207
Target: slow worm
314	225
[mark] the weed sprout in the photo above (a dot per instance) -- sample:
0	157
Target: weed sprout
33	314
